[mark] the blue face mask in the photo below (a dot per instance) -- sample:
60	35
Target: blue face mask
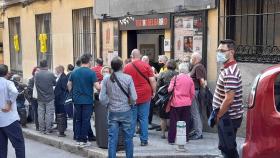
221	57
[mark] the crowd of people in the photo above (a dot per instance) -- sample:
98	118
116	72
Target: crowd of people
132	92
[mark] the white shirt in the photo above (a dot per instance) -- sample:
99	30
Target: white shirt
8	92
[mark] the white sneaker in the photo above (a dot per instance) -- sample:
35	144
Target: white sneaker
83	145
77	143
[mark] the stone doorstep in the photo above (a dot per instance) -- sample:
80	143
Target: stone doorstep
95	152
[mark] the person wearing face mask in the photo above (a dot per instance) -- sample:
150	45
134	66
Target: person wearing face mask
198	74
228	99
162	60
106	71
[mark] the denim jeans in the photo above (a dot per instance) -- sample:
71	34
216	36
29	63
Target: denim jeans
12	132
140	112
195	115
82	121
117	120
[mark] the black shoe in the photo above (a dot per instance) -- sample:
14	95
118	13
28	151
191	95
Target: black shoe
170	143
61	134
163	137
151	127
192	133
196	137
158	129
120	148
144	143
92	139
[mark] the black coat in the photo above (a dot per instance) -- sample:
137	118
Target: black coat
60	90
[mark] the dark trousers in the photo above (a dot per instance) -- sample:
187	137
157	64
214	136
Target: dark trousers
69	110
12	132
151	112
34	112
227	129
178	114
90	135
82	121
59	108
90	132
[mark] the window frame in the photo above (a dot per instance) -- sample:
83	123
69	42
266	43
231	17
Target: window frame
14	25
259	49
40	20
81	33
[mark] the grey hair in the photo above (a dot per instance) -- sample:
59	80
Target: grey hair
184	68
197	56
135	53
145	57
163	58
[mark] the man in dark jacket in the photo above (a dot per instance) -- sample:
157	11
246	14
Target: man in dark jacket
59	101
60	89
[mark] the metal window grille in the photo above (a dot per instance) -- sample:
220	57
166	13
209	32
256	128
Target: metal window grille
43	25
254	25
15	57
84	32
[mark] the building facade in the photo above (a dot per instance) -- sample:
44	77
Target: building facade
156	27
58	31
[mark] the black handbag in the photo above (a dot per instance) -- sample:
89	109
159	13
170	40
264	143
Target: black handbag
163	96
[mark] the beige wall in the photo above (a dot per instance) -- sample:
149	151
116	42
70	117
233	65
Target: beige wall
212	39
167	35
124	44
61	23
98	38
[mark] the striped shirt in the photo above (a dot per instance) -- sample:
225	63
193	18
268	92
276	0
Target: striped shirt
229	79
112	95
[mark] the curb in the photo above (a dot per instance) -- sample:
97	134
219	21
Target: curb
95	152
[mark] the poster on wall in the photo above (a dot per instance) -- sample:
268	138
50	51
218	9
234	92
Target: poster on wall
109	41
167	45
187	36
197	44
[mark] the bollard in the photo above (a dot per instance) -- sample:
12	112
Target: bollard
181	135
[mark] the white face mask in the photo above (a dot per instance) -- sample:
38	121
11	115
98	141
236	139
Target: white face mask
221	57
106	74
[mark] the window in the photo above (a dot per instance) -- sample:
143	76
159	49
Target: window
43	27
84	32
254	25
15	45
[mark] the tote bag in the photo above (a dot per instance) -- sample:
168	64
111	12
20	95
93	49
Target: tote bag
34	92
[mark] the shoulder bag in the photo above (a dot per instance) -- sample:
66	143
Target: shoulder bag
168	105
142	75
120	86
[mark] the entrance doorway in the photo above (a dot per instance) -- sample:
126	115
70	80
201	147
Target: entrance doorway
149	42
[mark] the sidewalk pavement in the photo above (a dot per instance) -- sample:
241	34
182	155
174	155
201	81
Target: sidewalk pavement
157	148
